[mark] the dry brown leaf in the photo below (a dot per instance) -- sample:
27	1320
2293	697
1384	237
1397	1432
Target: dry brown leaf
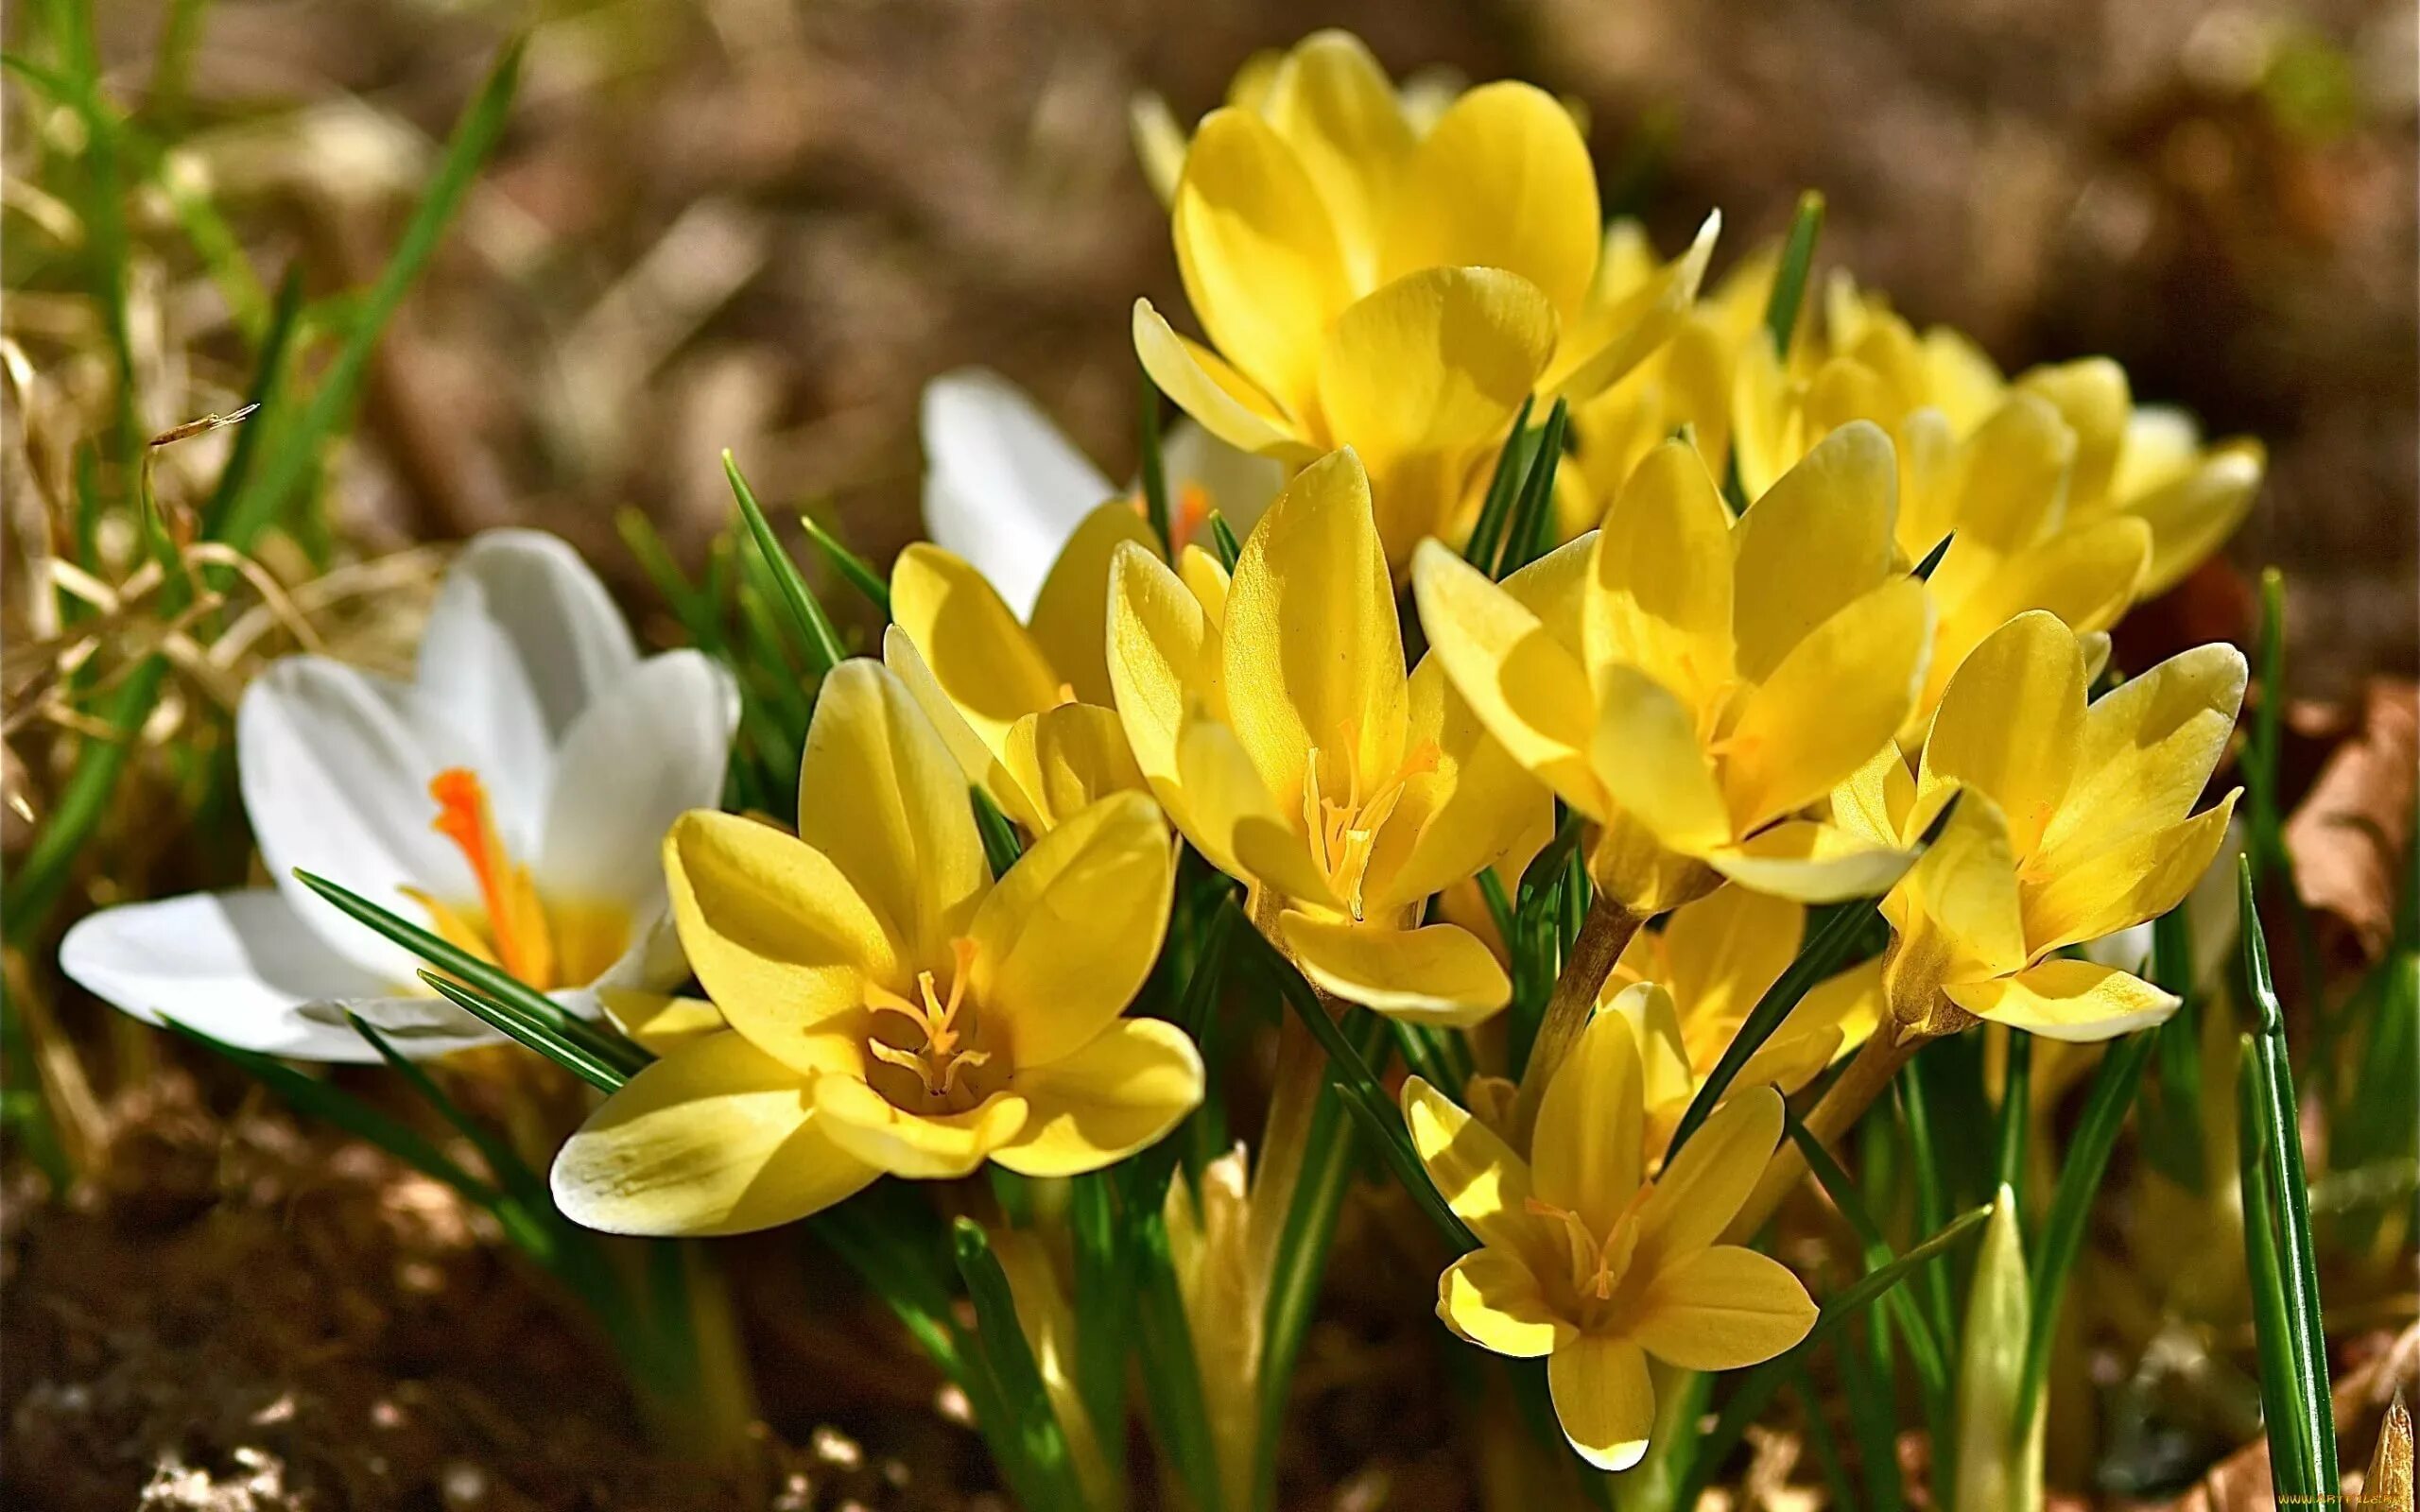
2388	1486
2350	837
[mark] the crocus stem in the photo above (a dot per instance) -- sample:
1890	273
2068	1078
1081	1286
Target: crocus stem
1603	934
1865	1079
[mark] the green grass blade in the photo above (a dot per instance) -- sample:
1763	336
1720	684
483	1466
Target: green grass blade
1105	1302
1171	1373
598	1072
1222	538
1818	960
854	570
2170	1113
2285	1415
1155	467
1042	1442
271	383
1924	1346
1530	531
1789	279
264	503
814	627
1931	563
1000	845
1503	487
2016	1112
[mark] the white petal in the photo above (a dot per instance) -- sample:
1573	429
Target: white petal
522	638
1003	488
1238	484
237	965
336	784
647	752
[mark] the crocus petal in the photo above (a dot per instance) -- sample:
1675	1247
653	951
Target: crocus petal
2011	722
1224	401
1958	907
1810	862
1503	181
1258	253
1646	755
779	936
1530	692
1659	592
1334	105
2077	1001
1164	663
336	784
1820	538
1313	649
992	670
2148	748
2091	395
1003	488
2012	478
983	767
1591	1130
1704	1187
1065	940
880	795
2192	516
644	753
1836	698
1491	1298
521	639
2086	578
716	1138
1723	951
1472	1169
862	1121
661	1021
1066	758
1613	336
1120	1091
2124	884
1070	619
1440	975
1722	1309
1231	817
1457	821
1436	360
1603	1398
1227	478
238	967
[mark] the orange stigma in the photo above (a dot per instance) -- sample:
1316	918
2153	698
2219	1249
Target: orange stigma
516	920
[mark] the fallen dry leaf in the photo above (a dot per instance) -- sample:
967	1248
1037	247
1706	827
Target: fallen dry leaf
2351	836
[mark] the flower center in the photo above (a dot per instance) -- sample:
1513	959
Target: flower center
510	924
1598	1265
1344	815
940	1034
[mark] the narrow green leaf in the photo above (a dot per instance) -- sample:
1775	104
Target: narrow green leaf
504	1017
813	626
1931	563
1155	468
1105	1302
1041	1439
1171	1372
2016	1111
1222	537
854	569
1503	488
1789	279
1530	531
1000	844
1924	1346
2170	1112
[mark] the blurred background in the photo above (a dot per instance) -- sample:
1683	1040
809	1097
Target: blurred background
765	225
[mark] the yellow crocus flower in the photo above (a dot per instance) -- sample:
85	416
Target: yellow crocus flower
2074	821
1688	987
1272	717
889	1008
1584	1261
1024	707
1692	683
1365	282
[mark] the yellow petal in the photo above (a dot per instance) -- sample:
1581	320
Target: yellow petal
1489	1297
1231	818
1613	336
1440	974
1458	818
1531	692
2148	749
2086	896
1313	650
1555	588
1723	951
660	1021
2085	576
2192	516
1067	759
1702	1189
2092	396
1724	1309
1063	944
1120	1091
1334	105
2077	1001
1164	658
1591	1131
992	671
1956	911
782	941
1204	386
1811	863
716	1138
1503	181
1473	1170
982	766
1258	254
1820	538
1835	700
1666	1079
2012	476
1206	580
862	1121
1071	613
2010	723
881	795
1603	1398
1159	142
1646	755
1436	361
1659	590
1873	804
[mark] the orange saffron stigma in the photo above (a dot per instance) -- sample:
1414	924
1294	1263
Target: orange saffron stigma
516	920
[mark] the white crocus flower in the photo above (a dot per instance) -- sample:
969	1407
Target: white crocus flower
1004	488
513	797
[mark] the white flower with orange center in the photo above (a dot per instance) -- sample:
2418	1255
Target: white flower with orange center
511	796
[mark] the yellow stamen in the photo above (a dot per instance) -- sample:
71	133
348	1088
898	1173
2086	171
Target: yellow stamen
516	920
943	1059
1598	1266
1344	830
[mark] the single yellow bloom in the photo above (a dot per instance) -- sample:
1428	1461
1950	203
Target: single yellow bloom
1583	1262
889	1008
1688	987
2074	821
1691	682
1365	282
1274	719
1023	707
